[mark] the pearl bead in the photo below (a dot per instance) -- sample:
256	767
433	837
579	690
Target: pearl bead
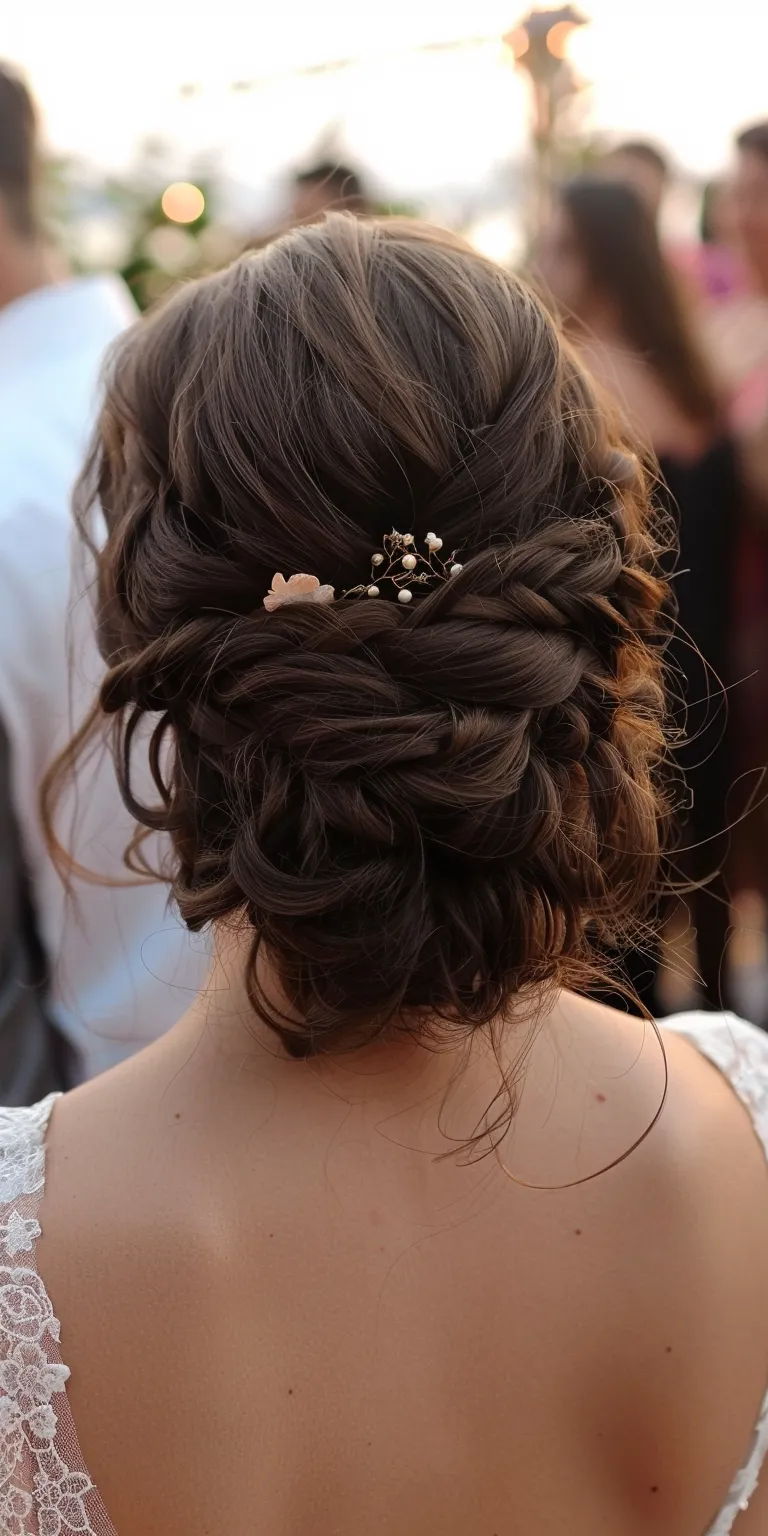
407	538
455	569
434	542
377	560
404	596
373	591
409	561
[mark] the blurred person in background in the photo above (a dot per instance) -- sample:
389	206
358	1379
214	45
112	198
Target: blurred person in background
603	265
750	201
640	165
707	268
721	270
53	336
711	265
736	332
325	187
32	1052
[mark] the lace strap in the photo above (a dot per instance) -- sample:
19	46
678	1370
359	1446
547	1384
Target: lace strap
45	1489
745	1481
22	1150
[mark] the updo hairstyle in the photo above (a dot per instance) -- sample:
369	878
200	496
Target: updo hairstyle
418	810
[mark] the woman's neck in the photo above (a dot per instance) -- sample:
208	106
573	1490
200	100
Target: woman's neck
222	1036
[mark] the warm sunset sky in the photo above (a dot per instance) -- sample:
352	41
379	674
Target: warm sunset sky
108	74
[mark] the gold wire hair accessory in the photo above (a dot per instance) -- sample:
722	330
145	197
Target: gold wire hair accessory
401	564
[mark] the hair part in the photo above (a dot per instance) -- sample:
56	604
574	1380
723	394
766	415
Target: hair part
416	812
619	243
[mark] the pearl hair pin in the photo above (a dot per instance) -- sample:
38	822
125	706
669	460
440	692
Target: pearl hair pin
405	567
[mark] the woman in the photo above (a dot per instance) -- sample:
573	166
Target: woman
603	265
393	1233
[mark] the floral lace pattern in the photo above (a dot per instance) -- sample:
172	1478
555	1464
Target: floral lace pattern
22	1151
45	1489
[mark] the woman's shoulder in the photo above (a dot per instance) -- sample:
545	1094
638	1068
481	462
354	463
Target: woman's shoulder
670	1124
739	1051
679	1261
718	1102
696	1081
714	1154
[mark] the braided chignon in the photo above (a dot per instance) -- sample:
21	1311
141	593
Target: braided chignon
419	809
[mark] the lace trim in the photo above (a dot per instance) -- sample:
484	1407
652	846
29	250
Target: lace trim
740	1053
40	1495
22	1150
745	1482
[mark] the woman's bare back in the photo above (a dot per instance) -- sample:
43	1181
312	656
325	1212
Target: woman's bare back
282	1313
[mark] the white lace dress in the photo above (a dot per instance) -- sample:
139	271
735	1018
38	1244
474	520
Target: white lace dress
45	1489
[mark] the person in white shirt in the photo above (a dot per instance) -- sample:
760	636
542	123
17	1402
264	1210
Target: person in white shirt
120	966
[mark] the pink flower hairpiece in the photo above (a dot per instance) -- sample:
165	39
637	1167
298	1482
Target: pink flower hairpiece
297	589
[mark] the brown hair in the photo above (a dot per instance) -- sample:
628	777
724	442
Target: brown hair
18	153
417	810
618	240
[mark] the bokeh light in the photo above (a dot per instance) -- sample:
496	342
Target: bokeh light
558	38
173	250
518	42
182	202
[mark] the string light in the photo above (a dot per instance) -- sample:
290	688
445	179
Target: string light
518	42
557	38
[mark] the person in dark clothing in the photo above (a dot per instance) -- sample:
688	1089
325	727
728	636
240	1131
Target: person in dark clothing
33	1055
603	264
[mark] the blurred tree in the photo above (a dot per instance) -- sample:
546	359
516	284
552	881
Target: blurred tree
120	221
153	263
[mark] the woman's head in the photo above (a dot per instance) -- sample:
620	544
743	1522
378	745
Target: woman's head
602	261
416	809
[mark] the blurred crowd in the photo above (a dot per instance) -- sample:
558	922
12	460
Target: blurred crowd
677	334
